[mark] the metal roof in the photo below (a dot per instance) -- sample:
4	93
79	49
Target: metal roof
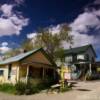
78	50
18	57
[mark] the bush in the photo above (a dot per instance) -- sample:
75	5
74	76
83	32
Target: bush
20	88
8	88
66	88
29	88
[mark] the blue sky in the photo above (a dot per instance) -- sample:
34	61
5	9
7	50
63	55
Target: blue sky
20	19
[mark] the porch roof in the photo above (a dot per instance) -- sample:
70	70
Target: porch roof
24	55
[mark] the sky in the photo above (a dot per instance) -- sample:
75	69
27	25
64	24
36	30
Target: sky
20	19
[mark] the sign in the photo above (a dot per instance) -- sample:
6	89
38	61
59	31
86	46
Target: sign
67	76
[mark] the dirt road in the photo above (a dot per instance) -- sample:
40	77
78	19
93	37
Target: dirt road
81	91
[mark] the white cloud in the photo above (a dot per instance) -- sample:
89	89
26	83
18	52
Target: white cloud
4	44
7	9
31	35
85	21
10	22
82	25
4	47
55	29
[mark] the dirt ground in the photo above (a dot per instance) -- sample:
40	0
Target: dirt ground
81	91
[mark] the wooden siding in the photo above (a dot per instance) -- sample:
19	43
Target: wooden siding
37	57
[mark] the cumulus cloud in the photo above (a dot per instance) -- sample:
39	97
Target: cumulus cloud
4	47
31	35
4	44
10	22
55	29
7	9
85	21
82	25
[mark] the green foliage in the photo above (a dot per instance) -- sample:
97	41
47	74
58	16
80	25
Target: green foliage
53	42
20	88
8	88
88	76
27	45
30	88
66	88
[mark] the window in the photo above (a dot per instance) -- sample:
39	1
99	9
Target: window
9	71
68	59
1	72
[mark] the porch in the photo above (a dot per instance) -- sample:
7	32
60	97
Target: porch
36	72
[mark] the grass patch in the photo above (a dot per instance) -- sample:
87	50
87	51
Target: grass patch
7	88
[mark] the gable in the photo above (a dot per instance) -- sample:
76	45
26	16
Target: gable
91	53
79	50
38	57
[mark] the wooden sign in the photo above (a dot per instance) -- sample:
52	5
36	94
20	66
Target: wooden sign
67	76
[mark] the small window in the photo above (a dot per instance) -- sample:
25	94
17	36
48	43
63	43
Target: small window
1	72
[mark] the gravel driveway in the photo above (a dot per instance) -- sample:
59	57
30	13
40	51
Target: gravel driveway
81	91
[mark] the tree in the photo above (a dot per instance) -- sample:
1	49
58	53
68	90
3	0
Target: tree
27	45
53	42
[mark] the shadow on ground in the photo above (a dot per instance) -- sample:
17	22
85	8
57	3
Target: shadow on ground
83	90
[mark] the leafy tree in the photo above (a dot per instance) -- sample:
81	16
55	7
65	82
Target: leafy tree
27	45
53	42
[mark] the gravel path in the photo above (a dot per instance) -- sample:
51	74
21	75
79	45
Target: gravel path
81	91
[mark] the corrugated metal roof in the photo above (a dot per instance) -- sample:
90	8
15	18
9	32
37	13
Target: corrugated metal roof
18	57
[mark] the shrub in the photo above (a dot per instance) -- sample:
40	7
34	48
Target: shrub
66	88
20	88
30	88
8	88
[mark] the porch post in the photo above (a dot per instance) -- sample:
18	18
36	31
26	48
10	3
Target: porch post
54	74
43	73
18	72
27	74
90	68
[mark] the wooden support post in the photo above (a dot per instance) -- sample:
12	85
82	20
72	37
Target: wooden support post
54	74
18	74
27	74
43	73
90	68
